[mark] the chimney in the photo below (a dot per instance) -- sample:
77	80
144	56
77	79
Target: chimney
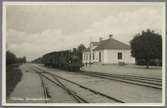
100	39
110	36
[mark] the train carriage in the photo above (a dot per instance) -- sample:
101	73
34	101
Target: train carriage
66	60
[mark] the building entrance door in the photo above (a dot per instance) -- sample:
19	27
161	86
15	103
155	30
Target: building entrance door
99	56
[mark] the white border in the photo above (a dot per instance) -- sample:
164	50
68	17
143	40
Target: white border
67	104
3	54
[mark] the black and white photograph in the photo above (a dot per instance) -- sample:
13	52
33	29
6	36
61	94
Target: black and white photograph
83	54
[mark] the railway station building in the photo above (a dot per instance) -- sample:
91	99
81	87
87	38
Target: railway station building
109	51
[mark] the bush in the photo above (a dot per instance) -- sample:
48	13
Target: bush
152	62
121	63
10	58
13	76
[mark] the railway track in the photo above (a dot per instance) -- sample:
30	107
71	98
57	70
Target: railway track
133	76
45	92
136	80
61	82
155	83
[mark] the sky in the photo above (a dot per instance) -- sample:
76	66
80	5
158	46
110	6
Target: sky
33	30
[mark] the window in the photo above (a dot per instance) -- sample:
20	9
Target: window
99	56
119	55
90	56
84	56
93	56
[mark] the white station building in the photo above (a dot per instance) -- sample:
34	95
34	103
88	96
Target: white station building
109	51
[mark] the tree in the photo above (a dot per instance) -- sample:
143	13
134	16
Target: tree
24	59
10	58
80	50
147	46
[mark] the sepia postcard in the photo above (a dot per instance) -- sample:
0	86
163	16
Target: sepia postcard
83	54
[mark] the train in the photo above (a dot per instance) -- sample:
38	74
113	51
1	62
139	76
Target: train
66	60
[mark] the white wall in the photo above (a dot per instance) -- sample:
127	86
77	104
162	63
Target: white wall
111	57
108	57
85	57
96	60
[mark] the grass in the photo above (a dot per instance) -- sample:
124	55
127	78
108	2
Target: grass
13	76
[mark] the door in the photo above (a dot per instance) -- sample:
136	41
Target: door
99	56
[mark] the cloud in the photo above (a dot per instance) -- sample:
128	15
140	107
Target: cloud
37	44
33	45
123	26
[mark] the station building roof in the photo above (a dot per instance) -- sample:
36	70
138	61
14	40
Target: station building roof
111	44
